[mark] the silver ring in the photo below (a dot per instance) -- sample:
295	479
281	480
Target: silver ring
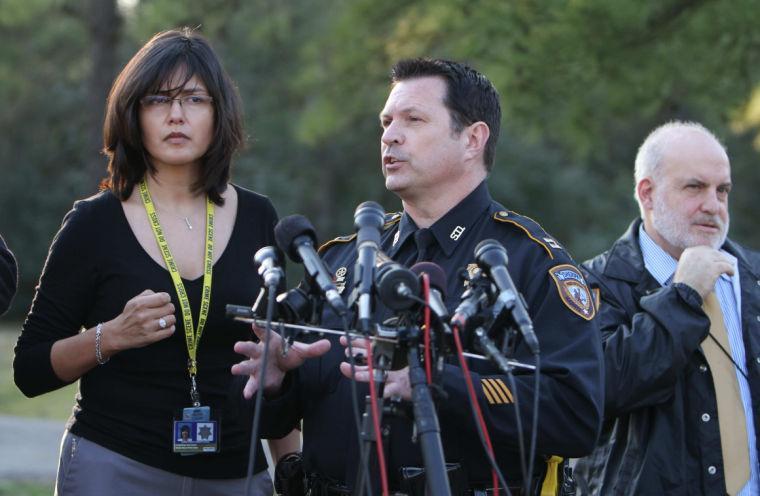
162	323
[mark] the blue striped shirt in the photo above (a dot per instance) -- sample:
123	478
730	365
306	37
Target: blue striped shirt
662	267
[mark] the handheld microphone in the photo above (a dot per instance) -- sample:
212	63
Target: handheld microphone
368	221
397	287
296	236
266	260
492	258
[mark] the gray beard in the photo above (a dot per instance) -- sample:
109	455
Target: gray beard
677	233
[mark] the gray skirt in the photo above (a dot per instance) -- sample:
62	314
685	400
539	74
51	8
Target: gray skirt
88	469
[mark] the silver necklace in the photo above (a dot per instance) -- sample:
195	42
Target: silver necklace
187	221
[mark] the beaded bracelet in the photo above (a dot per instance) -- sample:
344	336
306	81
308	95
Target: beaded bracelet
98	354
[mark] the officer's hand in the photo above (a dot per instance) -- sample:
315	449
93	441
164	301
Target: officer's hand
396	381
277	364
700	266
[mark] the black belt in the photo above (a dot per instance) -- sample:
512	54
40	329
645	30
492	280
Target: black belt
321	486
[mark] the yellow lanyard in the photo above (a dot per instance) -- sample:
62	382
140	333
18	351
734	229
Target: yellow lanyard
191	337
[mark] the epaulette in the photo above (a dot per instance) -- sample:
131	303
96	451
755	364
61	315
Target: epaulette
339	239
530	227
391	219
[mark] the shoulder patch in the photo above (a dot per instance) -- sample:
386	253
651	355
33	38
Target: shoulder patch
540	237
391	219
339	239
573	290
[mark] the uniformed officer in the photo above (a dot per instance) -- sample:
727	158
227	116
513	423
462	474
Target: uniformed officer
440	127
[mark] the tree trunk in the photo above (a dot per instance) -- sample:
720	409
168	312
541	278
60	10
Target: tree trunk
104	24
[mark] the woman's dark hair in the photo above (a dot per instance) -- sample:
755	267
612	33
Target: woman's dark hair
470	96
168	54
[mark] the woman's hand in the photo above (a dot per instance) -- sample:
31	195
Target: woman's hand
147	318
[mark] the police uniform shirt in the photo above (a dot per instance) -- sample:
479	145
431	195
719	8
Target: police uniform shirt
562	311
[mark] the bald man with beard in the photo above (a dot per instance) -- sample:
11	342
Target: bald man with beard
680	320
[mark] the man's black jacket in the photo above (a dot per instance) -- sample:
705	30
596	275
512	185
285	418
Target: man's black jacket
655	438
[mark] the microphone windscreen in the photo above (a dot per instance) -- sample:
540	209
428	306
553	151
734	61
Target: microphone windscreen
288	229
435	273
369	214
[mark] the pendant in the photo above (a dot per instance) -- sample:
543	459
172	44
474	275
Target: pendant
189	226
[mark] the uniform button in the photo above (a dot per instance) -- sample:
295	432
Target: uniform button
711	470
705	417
703	367
758	318
757	359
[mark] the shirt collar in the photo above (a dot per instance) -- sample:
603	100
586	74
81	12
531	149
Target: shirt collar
453	226
661	264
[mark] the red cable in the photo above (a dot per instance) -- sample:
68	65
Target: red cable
475	405
376	423
426	295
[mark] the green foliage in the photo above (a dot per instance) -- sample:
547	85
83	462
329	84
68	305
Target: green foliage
25	488
582	83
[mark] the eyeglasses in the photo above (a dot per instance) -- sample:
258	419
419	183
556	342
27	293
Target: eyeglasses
164	103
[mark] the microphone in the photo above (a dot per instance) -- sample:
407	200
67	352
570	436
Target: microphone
266	260
437	288
397	287
472	301
492	258
296	236
368	221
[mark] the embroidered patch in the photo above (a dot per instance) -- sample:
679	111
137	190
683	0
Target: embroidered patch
573	290
340	279
395	237
496	392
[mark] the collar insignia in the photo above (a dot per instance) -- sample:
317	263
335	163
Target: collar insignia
395	237
456	233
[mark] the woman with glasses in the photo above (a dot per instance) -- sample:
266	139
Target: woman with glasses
131	300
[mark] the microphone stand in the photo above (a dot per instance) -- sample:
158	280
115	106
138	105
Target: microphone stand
426	423
425	417
384	352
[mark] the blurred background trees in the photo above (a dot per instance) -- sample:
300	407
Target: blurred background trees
582	82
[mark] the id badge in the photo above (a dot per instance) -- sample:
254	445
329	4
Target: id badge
196	432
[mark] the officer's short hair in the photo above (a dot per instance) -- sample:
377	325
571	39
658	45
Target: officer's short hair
470	96
650	154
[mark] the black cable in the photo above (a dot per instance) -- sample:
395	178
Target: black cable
518	420
271	301
355	398
481	436
728	354
534	427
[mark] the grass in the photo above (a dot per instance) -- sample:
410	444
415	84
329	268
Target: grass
25	488
55	405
